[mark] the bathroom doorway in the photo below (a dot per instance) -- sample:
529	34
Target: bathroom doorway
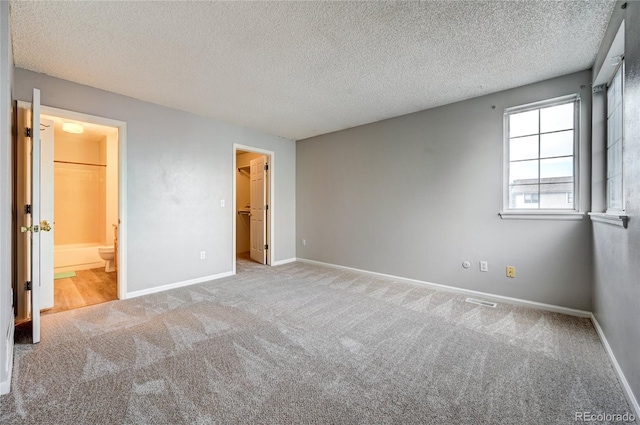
85	199
84	155
253	205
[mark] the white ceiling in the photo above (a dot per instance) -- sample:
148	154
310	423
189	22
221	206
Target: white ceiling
299	69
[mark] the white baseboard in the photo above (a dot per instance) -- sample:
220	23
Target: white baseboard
633	402
5	386
155	289
287	261
508	300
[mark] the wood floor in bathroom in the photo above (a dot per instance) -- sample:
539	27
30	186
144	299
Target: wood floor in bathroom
88	287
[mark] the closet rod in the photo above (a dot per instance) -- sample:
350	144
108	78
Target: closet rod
79	163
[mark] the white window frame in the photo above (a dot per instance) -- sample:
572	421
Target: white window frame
543	213
614	216
602	80
615	211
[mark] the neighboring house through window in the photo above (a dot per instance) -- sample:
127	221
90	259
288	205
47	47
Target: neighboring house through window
541	141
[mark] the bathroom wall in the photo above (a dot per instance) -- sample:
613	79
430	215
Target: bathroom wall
85	195
243	198
79	191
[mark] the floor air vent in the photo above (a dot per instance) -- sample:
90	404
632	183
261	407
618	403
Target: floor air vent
481	302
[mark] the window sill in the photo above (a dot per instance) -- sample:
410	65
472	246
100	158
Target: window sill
613	219
541	215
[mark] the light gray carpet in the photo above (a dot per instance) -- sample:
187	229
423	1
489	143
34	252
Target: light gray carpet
308	344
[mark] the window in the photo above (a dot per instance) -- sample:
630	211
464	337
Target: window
615	192
540	155
610	83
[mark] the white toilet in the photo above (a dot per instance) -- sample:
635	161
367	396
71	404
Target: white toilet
107	254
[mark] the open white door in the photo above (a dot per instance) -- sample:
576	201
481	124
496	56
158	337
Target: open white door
258	209
46	212
41	242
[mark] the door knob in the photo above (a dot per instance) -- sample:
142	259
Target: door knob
44	226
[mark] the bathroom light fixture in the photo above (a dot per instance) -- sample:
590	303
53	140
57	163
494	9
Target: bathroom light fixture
72	127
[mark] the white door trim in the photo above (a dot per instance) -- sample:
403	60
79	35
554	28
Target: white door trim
122	179
272	208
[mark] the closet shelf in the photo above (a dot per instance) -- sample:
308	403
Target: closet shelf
244	212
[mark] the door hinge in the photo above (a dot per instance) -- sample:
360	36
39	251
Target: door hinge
27	131
27	285
266	246
27	209
266	167
266	207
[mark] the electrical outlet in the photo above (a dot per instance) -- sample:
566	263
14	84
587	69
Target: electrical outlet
511	271
304	242
484	266
202	255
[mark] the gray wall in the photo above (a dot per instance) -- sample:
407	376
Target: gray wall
416	195
6	294
616	251
179	167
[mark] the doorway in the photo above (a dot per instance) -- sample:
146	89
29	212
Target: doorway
253	215
86	157
85	199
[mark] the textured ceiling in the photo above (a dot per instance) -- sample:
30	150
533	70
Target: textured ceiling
299	69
